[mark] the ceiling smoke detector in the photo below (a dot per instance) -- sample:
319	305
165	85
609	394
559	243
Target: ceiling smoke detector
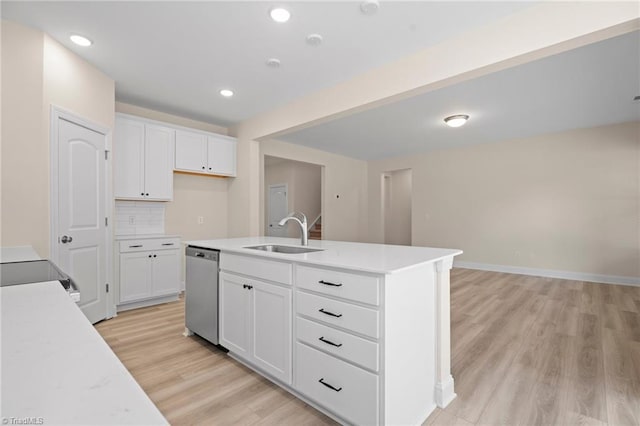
369	7
273	63
314	39
456	120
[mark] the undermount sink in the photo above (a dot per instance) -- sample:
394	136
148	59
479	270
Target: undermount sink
274	248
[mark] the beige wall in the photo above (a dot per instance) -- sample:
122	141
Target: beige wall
304	185
25	159
344	197
567	201
37	72
193	195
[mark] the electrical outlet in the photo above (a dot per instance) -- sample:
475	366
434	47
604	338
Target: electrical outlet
200	220
132	220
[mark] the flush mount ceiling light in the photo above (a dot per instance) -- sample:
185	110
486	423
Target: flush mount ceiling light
314	39
226	93
280	14
273	63
80	40
369	7
456	120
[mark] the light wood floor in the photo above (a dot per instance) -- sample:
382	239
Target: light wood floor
526	350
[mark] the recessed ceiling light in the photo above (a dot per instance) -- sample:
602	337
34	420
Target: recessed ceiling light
226	93
273	63
456	120
369	7
80	40
314	39
280	14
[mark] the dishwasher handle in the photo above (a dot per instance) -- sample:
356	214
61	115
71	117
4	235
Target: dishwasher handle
202	253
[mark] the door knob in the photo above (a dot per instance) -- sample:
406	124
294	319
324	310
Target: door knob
66	239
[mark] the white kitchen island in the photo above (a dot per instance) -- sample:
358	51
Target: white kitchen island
57	369
359	331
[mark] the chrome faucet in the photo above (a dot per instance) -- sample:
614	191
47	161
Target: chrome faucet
304	236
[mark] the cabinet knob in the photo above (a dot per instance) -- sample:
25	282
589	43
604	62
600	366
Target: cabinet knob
142	193
149	255
147	194
155	255
202	167
209	168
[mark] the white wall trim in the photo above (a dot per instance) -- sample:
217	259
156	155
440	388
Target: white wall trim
550	273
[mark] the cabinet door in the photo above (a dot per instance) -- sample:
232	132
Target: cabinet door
271	318
165	272
135	276
191	151
158	156
235	320
128	163
221	156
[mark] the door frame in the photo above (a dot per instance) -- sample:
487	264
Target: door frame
56	114
286	191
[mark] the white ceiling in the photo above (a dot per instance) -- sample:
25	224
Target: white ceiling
586	87
176	56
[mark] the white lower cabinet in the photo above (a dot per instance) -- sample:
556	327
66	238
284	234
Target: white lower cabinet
147	270
348	391
362	345
255	323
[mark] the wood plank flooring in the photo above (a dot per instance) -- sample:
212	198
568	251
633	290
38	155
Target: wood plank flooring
525	351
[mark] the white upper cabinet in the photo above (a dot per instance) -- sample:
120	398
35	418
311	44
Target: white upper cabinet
143	160
207	153
221	155
191	151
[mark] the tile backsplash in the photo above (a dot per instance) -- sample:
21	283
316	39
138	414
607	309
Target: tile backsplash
139	217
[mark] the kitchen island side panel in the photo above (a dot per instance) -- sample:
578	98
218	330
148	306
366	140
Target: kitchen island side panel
409	342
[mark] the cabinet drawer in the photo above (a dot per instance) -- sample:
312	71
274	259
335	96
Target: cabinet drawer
361	288
339	343
345	315
271	270
355	392
149	244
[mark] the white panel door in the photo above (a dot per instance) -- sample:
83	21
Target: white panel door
165	272
135	276
158	159
271	317
278	207
221	156
191	151
81	214
235	320
128	151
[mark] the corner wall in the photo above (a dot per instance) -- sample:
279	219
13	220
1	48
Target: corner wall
566	201
38	72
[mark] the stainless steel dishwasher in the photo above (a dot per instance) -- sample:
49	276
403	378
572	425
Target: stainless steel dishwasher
201	293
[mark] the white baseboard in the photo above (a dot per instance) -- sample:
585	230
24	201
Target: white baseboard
550	273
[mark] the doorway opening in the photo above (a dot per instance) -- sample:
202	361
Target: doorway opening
396	206
292	186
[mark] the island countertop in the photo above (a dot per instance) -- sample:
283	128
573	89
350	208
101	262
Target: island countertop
57	369
365	257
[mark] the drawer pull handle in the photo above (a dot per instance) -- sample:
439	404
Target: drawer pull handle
329	386
247	286
329	313
167	244
136	246
329	342
330	283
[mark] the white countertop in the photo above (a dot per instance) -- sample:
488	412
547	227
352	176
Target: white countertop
143	236
56	366
18	254
376	258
